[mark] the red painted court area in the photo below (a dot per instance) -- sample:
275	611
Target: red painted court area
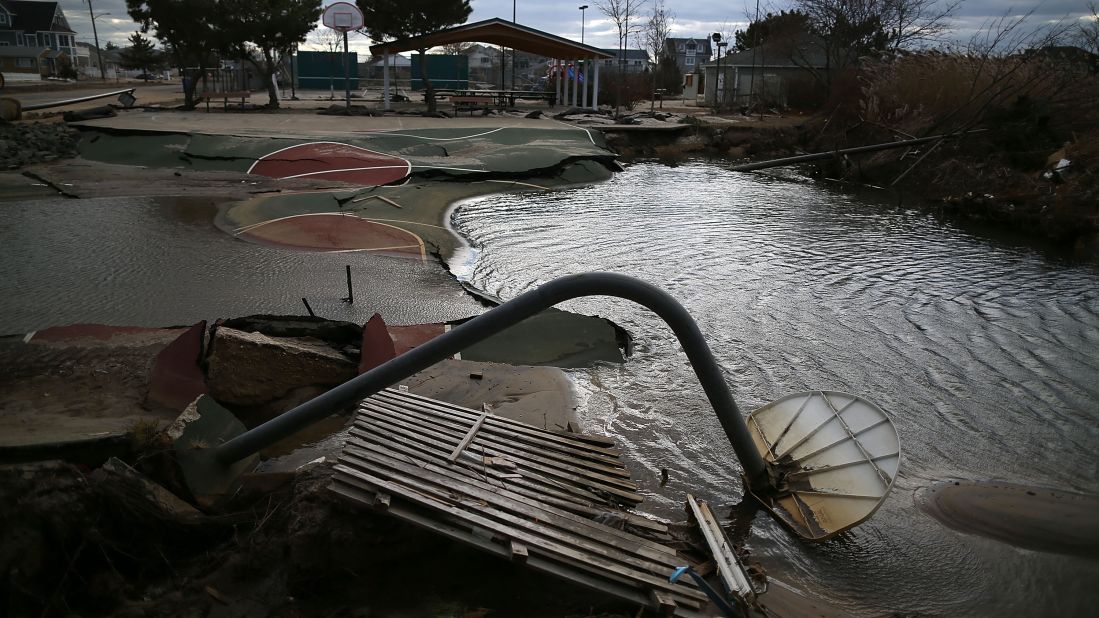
333	161
335	232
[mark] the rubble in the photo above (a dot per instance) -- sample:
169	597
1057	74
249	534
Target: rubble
249	369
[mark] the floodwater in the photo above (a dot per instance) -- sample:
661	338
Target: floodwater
145	262
982	350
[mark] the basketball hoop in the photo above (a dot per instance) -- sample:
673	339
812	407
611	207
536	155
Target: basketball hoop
342	17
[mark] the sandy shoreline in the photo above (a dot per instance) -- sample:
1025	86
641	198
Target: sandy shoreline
1035	518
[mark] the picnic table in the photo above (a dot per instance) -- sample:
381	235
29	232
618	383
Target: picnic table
498	98
225	97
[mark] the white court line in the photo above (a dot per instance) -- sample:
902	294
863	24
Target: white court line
384	154
419	241
516	182
434	139
384	167
592	139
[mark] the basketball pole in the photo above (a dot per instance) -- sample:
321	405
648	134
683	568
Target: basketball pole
346	72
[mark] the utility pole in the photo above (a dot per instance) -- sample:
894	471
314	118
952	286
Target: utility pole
95	36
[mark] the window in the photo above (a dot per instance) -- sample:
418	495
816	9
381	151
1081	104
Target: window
24	63
680	47
690	61
3	18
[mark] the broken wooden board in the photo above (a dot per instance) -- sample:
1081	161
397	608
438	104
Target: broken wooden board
540	511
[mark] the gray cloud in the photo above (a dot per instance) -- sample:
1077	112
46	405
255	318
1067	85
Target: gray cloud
692	17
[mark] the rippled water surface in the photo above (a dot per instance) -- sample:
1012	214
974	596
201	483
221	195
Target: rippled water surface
983	352
135	261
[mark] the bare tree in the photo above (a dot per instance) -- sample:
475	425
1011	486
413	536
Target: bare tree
917	22
621	12
330	42
657	29
457	49
1087	31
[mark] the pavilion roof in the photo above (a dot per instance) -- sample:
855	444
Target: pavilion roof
497	31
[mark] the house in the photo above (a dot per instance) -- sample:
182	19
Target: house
400	68
21	63
689	53
88	60
36	24
767	74
631	60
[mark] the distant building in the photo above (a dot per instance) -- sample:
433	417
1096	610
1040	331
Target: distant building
689	53
632	60
400	68
767	73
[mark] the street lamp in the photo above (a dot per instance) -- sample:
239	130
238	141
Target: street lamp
582	9
95	35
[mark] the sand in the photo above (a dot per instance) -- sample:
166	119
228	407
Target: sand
1040	519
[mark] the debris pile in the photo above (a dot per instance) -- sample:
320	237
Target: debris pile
24	143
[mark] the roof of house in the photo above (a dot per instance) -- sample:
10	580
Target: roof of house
396	60
19	51
497	32
703	42
805	51
630	54
34	16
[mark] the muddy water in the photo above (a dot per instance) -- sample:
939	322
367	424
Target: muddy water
146	262
983	351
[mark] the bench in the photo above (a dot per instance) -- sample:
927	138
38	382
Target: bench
470	103
243	95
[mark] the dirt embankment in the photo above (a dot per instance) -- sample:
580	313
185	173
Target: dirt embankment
79	542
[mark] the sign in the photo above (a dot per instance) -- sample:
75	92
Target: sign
343	17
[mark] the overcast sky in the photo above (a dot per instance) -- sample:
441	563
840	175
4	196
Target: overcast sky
692	17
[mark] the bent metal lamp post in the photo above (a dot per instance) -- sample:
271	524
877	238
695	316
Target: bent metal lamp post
765	479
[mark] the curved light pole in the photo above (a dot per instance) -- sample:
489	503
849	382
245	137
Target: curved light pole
756	471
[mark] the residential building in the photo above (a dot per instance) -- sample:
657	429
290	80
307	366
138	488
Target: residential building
631	60
22	63
400	68
768	73
689	53
36	24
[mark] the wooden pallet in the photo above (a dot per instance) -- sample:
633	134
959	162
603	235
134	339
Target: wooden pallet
520	492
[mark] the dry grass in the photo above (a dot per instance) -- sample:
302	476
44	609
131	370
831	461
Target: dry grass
936	92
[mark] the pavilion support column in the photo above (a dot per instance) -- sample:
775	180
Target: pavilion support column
385	81
559	84
595	87
585	98
575	82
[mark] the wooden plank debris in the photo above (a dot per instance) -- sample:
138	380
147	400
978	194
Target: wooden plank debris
526	494
468	438
730	570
